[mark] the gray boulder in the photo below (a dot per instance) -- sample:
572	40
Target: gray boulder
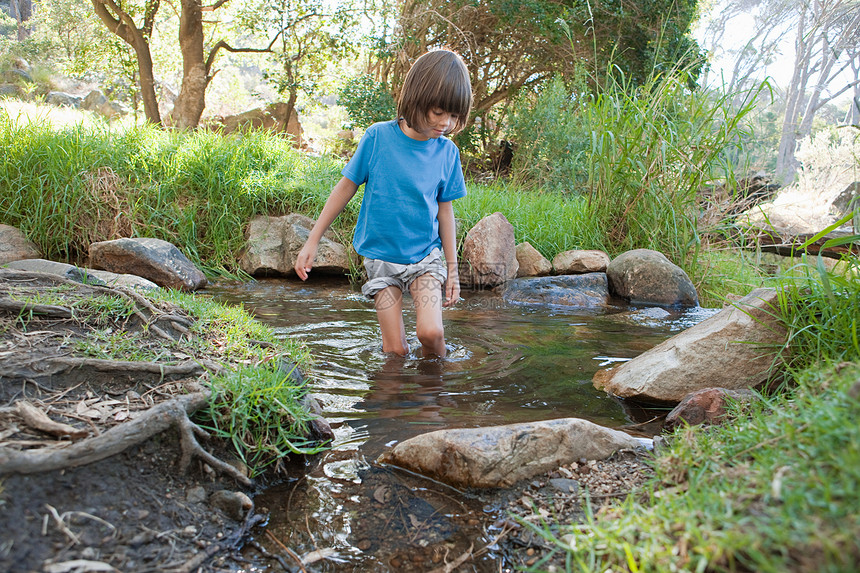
153	259
489	253
500	456
12	91
733	349
272	118
14	245
579	261
643	276
273	244
97	102
62	99
530	262
589	290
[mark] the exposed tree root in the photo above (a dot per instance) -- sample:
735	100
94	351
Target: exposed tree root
18	307
58	365
157	419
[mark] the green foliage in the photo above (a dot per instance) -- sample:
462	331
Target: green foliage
73	38
822	307
366	101
261	411
553	139
552	222
776	490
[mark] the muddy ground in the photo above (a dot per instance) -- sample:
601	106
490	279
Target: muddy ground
100	471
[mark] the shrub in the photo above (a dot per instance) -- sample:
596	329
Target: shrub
366	101
552	141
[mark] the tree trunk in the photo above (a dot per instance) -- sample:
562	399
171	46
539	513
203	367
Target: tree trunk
786	164
195	74
21	10
121	24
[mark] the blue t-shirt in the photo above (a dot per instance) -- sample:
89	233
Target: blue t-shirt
405	180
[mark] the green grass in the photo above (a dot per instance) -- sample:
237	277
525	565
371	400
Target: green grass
69	186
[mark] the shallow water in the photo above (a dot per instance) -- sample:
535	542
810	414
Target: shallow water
507	363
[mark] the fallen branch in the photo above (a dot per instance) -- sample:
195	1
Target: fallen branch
37	419
53	366
233	542
119	438
19	307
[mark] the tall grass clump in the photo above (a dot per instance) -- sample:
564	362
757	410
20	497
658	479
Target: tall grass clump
69	186
639	154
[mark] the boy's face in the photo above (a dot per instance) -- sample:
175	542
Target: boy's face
438	123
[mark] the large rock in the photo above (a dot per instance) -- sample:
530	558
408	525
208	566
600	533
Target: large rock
97	102
733	349
530	262
14	245
489	253
153	259
578	261
589	290
62	99
500	456
273	243
643	276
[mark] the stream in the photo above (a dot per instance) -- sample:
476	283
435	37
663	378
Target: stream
507	363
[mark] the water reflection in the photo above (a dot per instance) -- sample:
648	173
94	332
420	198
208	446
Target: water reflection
505	364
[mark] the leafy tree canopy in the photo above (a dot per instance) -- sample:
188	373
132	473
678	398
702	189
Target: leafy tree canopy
514	44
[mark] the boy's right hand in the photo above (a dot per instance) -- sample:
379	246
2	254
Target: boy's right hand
305	260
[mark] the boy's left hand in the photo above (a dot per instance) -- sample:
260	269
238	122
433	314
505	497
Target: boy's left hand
452	290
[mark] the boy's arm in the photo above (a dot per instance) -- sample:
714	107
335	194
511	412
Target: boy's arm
341	194
448	234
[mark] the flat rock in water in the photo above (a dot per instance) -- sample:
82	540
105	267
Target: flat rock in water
153	259
500	456
734	349
590	290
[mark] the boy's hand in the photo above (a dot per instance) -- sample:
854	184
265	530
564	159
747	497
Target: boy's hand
305	260
452	289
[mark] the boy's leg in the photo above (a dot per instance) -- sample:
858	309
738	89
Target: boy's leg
427	296
389	312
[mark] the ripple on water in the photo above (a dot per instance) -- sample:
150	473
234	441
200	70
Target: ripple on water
505	364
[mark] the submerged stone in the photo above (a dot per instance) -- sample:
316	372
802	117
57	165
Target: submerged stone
588	290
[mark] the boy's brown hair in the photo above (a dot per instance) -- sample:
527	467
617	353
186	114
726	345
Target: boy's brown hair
436	79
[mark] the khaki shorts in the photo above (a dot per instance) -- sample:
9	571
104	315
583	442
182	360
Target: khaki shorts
382	274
